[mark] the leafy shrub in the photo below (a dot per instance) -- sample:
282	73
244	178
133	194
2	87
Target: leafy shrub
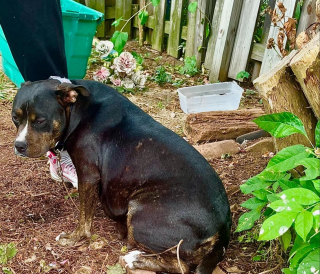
190	66
161	76
243	74
291	204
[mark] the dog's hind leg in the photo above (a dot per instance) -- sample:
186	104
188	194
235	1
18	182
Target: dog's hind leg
160	263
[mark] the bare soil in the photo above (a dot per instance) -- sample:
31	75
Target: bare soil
34	209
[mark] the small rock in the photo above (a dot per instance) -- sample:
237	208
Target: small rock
217	149
262	146
122	262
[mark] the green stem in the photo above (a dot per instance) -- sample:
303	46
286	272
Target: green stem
206	18
127	21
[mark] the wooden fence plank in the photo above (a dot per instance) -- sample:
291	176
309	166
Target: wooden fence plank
200	30
123	8
258	52
224	44
272	57
158	31
98	5
308	15
214	33
175	28
243	42
192	16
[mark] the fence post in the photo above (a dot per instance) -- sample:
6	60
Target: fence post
98	5
214	33
244	37
308	15
224	44
159	20
192	16
175	28
272	56
123	8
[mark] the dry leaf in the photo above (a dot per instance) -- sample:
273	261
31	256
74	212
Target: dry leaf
291	31
234	269
280	41
281	8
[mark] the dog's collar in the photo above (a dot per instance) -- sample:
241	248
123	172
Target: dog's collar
62	80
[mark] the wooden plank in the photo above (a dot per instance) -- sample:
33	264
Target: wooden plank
192	16
123	8
159	24
244	37
110	13
175	28
258	52
98	5
308	15
200	30
214	33
224	44
272	57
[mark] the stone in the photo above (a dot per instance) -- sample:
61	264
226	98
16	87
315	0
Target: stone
262	146
217	149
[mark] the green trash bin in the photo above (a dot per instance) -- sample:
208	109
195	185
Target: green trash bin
79	26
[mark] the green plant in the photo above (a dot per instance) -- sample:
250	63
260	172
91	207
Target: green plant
291	204
138	57
7	252
243	74
178	83
161	76
190	66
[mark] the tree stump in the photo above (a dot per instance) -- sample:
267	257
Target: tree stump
220	125
306	67
280	92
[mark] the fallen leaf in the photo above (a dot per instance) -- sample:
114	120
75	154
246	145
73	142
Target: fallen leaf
234	269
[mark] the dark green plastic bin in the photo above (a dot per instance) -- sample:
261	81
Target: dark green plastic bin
79	25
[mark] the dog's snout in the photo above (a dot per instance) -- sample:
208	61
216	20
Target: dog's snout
20	146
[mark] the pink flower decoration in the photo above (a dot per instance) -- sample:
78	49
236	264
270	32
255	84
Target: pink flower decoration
125	63
116	81
101	75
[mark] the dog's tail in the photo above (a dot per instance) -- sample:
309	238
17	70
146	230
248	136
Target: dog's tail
215	256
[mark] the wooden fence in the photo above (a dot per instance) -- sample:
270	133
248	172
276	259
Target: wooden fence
230	46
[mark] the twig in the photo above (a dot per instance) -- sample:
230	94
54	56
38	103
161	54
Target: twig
40	194
107	256
151	255
178	257
267	271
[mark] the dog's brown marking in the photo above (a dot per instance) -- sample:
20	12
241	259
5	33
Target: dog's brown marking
19	112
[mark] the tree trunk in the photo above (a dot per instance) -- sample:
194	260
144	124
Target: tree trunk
306	67
280	92
220	125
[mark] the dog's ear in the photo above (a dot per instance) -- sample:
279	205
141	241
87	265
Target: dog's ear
68	93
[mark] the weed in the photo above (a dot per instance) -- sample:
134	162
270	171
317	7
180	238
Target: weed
161	76
160	105
243	74
178	83
190	66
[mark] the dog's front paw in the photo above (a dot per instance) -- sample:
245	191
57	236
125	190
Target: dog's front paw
69	239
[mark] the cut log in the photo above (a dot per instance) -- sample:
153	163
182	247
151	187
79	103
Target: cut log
306	67
220	125
280	92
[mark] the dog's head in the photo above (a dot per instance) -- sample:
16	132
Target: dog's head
40	113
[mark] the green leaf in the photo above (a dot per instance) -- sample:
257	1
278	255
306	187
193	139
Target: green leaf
287	271
155	2
193	6
254	183
316	184
281	124
310	264
272	197
301	253
301	196
312	168
288	184
303	224
119	39
199	48
276	225
115	269
243	74
143	16
246	220
287	158
117	22
285	205
261	194
317	134
316	218
275	186
286	240
11	250
6	270
253	203
207	30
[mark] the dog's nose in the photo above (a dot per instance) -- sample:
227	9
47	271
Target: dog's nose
20	146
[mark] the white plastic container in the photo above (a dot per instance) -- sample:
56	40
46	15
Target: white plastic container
212	97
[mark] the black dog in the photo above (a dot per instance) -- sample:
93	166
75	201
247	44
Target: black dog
158	188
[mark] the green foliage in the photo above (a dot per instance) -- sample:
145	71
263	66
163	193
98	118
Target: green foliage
155	2
243	74
291	205
190	66
7	252
117	22
143	16
119	39
178	83
161	76
193	6
207	30
138	57
3	95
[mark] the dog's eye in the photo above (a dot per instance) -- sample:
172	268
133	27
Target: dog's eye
40	120
15	119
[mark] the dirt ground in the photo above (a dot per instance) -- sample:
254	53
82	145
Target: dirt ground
34	209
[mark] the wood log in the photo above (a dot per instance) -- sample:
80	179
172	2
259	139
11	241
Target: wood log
280	92
220	125
306	67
